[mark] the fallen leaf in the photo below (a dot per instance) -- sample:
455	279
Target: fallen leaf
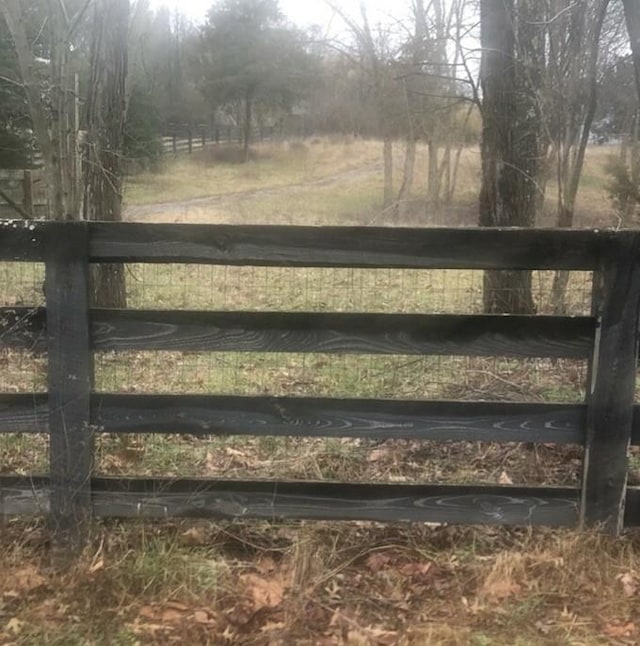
264	593
194	537
501	589
418	571
378	561
201	617
629	584
27	579
616	630
14	626
504	479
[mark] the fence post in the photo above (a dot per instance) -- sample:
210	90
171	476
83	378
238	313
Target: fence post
70	377
190	141
611	391
174	143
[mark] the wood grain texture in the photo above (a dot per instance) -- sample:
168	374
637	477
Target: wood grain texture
311	417
611	399
271	500
28	413
70	374
332	333
347	246
402	334
355	418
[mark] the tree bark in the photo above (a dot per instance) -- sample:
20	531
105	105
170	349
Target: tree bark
105	118
632	18
572	154
509	147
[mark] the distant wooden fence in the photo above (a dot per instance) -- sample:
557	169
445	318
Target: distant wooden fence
185	139
72	412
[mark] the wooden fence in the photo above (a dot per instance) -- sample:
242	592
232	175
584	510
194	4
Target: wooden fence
186	139
606	423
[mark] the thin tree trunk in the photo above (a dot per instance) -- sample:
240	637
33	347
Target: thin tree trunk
388	172
432	177
407	176
248	104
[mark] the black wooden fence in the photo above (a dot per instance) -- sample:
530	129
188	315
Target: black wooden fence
71	412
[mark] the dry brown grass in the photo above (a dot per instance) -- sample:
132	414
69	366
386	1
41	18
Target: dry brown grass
322	583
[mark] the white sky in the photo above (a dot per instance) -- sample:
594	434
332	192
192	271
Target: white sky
303	12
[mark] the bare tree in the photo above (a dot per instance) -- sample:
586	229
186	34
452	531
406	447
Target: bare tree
573	33
52	115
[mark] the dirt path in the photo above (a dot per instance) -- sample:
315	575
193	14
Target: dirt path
164	211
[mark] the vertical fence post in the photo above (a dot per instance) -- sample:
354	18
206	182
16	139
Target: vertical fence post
70	376
174	143
611	396
190	133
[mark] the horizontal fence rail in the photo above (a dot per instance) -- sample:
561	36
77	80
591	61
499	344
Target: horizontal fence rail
437	334
289	246
72	413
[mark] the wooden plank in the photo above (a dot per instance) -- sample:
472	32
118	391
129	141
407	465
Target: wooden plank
402	334
632	508
356	418
24	413
70	376
348	246
23	240
272	500
611	399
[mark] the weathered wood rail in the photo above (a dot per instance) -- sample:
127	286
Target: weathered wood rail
71	412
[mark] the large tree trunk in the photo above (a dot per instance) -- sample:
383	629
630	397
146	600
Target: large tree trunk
509	148
632	17
106	111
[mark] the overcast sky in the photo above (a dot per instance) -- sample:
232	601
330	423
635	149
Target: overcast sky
302	12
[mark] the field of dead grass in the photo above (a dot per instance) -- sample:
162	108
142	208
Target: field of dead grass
314	583
329	181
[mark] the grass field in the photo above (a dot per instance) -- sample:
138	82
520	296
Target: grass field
316	583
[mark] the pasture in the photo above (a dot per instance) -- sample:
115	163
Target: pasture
316	583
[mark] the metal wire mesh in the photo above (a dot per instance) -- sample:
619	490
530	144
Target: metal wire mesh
21	371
